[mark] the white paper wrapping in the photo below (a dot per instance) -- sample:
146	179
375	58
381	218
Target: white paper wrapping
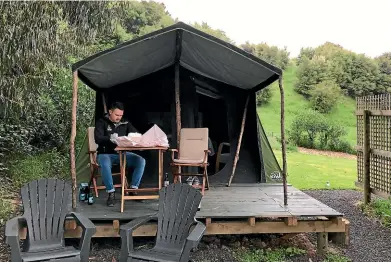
154	137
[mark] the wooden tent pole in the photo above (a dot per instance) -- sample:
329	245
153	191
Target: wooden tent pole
239	141
178	49
283	145
73	137
177	105
104	103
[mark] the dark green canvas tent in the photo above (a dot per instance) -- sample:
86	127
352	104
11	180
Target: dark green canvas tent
215	81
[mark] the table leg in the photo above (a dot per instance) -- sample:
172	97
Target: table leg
122	163
160	168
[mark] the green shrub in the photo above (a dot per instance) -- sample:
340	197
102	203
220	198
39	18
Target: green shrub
380	209
306	127
336	258
324	96
311	129
269	255
6	210
310	73
263	96
24	169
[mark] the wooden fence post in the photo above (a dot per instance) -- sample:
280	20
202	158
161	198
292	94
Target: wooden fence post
366	156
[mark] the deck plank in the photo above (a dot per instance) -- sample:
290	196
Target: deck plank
237	201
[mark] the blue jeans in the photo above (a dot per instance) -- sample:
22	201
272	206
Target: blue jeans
106	161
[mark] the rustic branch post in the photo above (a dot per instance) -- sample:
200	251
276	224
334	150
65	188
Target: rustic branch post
366	153
104	103
177	83
283	145
177	94
239	141
177	105
73	137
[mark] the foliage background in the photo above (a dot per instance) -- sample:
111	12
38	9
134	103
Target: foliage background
42	39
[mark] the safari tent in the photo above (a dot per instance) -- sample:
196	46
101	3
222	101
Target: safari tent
180	77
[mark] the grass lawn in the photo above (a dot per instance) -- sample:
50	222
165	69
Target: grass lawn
343	113
307	171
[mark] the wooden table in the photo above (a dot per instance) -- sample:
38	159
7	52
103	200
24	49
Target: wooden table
122	161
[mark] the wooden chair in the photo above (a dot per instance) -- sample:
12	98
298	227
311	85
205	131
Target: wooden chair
174	239
94	166
193	152
222	157
46	204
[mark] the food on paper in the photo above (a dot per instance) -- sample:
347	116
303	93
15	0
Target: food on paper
154	137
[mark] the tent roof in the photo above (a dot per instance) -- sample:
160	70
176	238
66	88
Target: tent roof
195	50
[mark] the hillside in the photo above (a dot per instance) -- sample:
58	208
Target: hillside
343	113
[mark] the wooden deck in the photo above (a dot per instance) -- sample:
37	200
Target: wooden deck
237	201
239	209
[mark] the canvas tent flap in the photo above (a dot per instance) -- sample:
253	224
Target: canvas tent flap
272	169
215	61
131	62
200	53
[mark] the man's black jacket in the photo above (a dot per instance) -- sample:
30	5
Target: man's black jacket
104	128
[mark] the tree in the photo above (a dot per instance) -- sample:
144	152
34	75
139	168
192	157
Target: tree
144	17
324	96
38	35
361	75
307	53
271	54
215	32
384	62
39	42
310	73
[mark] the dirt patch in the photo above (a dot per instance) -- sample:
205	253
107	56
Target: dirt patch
219	248
326	153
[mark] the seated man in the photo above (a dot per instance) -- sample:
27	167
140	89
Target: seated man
106	127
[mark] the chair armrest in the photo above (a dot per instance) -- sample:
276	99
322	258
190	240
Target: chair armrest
206	155
196	234
83	221
193	240
89	230
93	159
221	147
126	235
173	150
12	239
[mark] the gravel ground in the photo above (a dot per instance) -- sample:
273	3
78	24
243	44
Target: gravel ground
370	242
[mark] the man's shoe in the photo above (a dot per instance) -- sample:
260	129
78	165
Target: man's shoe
196	181
110	199
190	180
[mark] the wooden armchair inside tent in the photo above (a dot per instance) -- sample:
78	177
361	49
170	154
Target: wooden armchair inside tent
193	152
222	157
94	166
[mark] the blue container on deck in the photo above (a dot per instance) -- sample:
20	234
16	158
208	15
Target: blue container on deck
82	192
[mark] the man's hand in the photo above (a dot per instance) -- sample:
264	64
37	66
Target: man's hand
113	138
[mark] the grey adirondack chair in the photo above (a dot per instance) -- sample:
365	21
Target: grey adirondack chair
175	236
46	204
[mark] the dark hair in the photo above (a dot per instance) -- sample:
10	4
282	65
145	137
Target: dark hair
117	105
